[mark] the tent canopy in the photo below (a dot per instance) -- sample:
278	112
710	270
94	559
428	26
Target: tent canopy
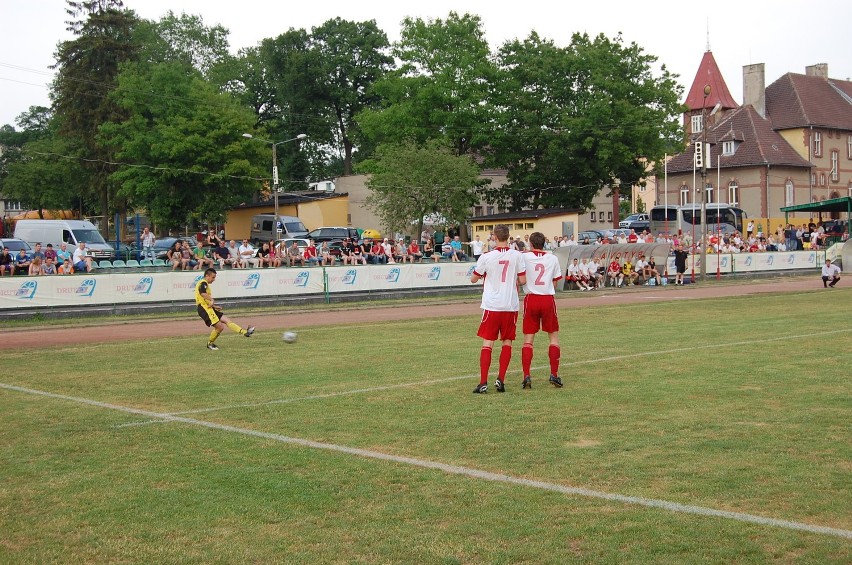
843	204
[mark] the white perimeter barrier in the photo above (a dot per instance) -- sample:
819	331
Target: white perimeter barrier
753	262
136	287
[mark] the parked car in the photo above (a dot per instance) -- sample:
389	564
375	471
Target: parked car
614	233
15	245
636	222
333	233
588	237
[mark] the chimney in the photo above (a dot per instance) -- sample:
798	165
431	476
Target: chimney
818	70
754	87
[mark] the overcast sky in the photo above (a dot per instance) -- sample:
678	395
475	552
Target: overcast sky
785	35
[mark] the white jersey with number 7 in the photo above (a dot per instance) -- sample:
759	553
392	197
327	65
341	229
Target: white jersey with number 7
501	268
543	271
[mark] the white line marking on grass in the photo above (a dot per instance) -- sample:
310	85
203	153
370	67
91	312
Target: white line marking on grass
456	469
464	377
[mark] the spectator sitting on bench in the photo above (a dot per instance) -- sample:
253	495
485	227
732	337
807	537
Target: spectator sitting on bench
414	253
629	272
457	247
613	272
294	255
7	263
429	250
447	250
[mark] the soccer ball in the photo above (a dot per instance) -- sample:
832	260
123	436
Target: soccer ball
289	337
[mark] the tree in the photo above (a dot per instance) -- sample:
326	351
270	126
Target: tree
576	120
186	157
37	166
87	70
409	182
352	57
441	89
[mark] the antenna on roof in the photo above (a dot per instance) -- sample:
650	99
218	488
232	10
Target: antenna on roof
708	33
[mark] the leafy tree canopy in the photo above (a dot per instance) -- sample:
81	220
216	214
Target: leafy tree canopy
575	120
189	161
410	181
440	91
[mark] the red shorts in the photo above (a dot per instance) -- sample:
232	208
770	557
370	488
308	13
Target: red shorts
497	325
540	312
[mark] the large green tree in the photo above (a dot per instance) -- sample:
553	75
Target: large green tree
352	56
188	40
408	182
87	70
38	167
186	158
575	120
292	66
440	90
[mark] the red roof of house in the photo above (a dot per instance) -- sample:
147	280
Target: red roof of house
708	73
795	101
757	144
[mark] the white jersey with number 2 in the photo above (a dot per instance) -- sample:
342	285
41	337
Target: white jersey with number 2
543	271
501	268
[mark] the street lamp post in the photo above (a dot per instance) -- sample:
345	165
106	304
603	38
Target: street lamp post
704	185
275	145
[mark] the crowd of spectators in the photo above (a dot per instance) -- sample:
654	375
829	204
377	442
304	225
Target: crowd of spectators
216	252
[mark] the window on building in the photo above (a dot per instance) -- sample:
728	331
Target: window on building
822	179
697	122
835	158
609	216
728	148
519	226
733	193
817	144
529	226
489	210
849	146
789	193
593	217
477	210
709	193
600	216
684	195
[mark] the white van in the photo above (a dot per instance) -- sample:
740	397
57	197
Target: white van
71	232
262	228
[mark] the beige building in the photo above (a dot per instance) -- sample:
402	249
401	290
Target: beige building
551	222
315	209
789	144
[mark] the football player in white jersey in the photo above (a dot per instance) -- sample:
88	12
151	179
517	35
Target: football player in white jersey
501	270
543	271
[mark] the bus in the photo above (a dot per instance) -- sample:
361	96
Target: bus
683	219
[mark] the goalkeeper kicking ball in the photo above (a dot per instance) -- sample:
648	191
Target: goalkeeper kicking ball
289	337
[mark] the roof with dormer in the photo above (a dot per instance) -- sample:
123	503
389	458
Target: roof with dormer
709	74
797	101
756	143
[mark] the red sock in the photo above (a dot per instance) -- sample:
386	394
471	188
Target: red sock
553	352
526	358
484	364
505	357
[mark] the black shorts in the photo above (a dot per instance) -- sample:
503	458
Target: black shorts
210	316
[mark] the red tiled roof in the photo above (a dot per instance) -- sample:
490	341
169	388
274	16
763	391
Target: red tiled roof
795	101
708	73
760	144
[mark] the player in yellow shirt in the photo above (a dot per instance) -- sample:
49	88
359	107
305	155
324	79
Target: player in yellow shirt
629	272
210	312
